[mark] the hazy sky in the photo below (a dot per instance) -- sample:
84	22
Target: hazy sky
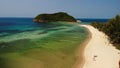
77	8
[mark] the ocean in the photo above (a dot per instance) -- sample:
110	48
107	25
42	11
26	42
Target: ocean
24	43
17	29
89	20
11	27
16	25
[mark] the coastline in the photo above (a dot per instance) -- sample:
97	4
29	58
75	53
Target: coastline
80	51
104	51
59	46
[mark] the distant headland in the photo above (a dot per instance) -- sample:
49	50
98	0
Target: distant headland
55	17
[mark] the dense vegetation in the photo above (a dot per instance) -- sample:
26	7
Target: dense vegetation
60	16
112	29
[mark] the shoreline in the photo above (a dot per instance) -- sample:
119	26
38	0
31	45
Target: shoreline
80	51
106	55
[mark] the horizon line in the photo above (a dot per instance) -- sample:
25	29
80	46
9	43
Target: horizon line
75	18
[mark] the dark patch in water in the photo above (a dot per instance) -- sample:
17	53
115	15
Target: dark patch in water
73	31
54	29
7	23
51	29
4	35
44	32
14	32
18	45
9	31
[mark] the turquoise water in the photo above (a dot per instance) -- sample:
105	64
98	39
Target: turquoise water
23	43
11	26
17	34
14	31
23	28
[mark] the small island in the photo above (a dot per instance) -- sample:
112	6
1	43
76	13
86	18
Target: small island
55	17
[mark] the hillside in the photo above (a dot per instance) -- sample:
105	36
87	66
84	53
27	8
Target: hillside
55	17
112	29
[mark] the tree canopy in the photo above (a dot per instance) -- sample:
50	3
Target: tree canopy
60	16
111	28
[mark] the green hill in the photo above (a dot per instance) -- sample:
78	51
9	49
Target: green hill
55	17
112	29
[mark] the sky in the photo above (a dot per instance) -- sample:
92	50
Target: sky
76	8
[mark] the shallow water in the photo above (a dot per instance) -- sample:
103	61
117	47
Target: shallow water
21	39
18	32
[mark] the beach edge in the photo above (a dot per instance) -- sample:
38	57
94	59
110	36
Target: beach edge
81	49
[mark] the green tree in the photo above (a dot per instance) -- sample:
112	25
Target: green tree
112	29
60	16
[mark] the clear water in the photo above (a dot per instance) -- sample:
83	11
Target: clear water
22	40
23	28
10	26
22	33
90	20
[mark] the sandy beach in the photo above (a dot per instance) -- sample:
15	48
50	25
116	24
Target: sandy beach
99	53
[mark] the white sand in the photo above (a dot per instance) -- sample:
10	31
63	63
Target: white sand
99	53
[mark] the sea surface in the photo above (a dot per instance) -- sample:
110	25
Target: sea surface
10	26
17	28
24	43
90	20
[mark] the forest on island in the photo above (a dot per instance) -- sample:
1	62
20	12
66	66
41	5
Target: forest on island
55	17
111	29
